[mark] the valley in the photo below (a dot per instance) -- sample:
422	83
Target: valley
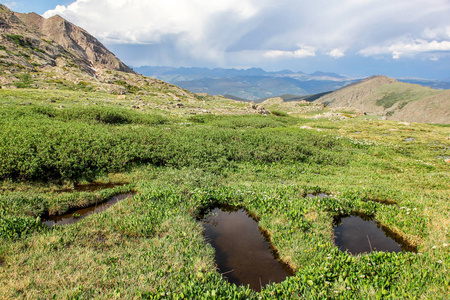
254	84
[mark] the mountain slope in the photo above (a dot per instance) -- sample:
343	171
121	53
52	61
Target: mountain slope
53	53
22	48
76	40
434	109
385	96
30	43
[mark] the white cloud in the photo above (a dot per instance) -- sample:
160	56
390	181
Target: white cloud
436	33
194	28
216	30
58	10
148	21
304	51
336	53
411	48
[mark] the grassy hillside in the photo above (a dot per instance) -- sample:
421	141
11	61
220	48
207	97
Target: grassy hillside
210	150
401	94
385	96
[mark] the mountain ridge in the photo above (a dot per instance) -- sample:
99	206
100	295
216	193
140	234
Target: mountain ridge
395	100
231	72
51	47
75	39
249	84
221	81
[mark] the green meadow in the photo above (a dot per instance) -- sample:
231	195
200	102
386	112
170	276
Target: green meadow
151	246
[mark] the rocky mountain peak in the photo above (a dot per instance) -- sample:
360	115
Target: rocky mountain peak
75	40
9	21
29	42
379	80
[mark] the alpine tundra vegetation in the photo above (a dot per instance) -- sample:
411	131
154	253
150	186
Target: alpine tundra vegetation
77	130
178	164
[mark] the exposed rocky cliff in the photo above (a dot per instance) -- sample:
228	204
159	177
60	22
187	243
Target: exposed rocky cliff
29	42
76	40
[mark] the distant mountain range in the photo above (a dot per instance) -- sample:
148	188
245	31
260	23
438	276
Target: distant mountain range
256	84
248	84
435	84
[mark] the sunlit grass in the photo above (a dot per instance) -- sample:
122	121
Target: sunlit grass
152	247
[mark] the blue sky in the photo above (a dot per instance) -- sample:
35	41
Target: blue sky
401	38
37	6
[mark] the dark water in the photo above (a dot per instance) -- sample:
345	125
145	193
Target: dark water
242	253
360	234
385	202
318	195
82	213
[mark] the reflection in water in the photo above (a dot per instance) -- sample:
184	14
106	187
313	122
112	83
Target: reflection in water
82	213
362	234
242	254
319	195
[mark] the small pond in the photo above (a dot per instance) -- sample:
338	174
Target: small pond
384	201
79	214
318	195
243	254
362	234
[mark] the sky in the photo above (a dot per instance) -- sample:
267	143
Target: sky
397	38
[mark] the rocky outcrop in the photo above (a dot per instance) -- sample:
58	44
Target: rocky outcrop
259	109
76	40
31	43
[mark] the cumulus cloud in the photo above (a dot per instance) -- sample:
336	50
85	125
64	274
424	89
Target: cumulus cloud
411	48
304	51
336	53
431	42
201	28
214	31
436	33
149	21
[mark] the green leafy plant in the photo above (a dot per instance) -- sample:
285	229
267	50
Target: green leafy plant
19	40
25	81
279	113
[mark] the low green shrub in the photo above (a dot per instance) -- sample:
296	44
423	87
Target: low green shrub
44	143
279	113
14	227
